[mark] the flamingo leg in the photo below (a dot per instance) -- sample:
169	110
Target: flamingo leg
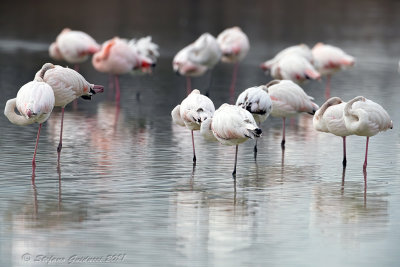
76	67
255	149
328	86
117	90
34	154
344	152
366	154
283	134
233	82
209	83
194	151
61	131
188	85
234	169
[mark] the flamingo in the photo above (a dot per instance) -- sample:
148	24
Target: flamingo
73	46
301	49
366	118
117	57
67	85
145	48
231	125
257	101
294	67
193	110
35	101
196	58
289	99
329	118
234	45
329	59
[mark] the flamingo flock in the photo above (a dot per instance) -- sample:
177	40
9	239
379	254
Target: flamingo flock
230	124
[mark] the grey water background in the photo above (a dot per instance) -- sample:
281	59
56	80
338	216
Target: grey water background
127	187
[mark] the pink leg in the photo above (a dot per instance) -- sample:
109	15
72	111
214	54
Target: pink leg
188	85
117	90
34	154
233	83
366	155
328	86
61	131
283	134
194	152
344	152
234	169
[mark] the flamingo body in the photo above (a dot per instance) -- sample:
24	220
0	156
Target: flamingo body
34	101
302	50
145	48
73	46
294	67
67	84
205	51
183	65
289	99
257	101
234	44
366	118
329	59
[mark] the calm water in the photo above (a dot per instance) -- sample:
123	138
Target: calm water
127	188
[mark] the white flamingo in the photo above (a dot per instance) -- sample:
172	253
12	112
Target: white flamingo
257	101
193	110
196	58
289	99
301	49
330	119
329	59
366	118
234	45
145	48
35	101
73	47
294	67
67	85
231	125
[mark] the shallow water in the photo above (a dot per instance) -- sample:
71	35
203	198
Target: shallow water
127	188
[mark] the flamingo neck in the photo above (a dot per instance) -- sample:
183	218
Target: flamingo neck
12	116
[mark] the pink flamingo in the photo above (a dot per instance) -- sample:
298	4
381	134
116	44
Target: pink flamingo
366	118
117	57
288	100
35	101
67	85
329	59
234	45
73	47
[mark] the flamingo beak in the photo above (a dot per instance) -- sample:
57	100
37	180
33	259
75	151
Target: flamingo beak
97	88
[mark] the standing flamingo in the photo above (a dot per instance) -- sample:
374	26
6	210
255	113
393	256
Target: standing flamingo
329	59
289	99
257	101
117	57
67	85
34	101
329	118
73	46
366	118
195	59
231	125
234	45
193	110
145	48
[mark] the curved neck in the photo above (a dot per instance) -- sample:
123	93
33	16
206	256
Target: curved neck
9	111
330	102
347	108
